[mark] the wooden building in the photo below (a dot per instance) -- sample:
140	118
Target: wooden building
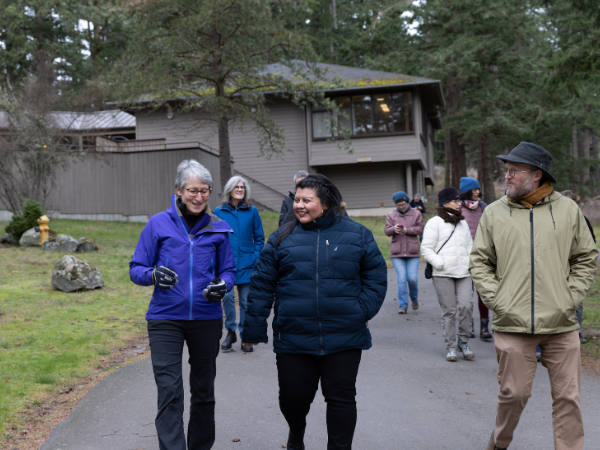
392	118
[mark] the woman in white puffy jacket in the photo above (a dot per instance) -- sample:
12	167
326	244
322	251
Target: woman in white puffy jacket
446	246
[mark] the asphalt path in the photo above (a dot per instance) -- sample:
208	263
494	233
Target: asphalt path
409	396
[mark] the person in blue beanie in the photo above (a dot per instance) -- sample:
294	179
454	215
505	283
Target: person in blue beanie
472	209
404	224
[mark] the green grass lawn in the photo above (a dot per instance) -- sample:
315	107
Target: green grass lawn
49	338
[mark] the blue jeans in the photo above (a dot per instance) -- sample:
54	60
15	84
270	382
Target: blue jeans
407	271
229	307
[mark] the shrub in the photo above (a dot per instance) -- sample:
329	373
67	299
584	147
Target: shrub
32	211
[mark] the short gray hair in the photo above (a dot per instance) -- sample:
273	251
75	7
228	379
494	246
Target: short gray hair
231	184
191	169
418	195
301	174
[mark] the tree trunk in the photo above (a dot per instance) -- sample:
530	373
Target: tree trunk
224	152
586	154
459	159
596	166
447	159
487	173
574	143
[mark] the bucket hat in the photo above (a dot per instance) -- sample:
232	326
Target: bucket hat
532	154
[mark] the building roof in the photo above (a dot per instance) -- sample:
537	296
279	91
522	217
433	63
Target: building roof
90	121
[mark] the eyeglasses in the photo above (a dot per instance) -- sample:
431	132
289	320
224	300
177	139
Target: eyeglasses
513	172
195	192
239	188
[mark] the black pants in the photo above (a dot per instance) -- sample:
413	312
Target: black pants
298	382
166	342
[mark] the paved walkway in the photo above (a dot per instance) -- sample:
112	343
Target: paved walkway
409	397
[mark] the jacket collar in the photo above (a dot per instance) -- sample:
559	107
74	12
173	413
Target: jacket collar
229	207
214	225
549	199
321	222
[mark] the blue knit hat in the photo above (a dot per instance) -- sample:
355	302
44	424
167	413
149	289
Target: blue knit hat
400	195
468	183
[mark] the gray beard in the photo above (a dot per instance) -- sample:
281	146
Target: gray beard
521	191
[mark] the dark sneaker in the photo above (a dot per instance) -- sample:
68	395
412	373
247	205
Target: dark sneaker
582	339
228	342
415	305
247	348
465	350
485	334
538	354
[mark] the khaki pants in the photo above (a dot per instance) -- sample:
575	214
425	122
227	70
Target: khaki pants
455	295
516	368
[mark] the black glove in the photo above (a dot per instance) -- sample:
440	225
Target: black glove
164	278
215	291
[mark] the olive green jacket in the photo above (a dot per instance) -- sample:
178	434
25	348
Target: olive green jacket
533	268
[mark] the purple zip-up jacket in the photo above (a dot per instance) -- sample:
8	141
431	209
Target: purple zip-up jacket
197	258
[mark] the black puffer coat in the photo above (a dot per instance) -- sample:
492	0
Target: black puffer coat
327	278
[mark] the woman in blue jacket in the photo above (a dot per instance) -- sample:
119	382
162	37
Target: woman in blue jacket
327	278
247	240
185	253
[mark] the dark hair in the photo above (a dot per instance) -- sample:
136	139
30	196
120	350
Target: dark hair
326	192
467	195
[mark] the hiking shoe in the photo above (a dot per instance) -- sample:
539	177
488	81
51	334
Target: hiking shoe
229	340
402	311
538	354
415	305
295	440
451	356
465	350
582	339
485	334
247	348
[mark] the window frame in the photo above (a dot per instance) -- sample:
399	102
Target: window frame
363	136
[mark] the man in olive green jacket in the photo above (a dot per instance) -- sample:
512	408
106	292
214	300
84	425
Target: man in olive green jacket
533	262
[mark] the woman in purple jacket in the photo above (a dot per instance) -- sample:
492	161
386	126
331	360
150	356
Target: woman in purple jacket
185	253
405	224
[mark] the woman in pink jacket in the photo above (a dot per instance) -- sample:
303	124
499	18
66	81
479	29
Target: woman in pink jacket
405	224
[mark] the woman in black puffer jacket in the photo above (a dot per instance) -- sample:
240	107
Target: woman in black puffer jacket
328	279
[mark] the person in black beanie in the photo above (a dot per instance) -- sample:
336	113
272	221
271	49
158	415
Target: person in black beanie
446	246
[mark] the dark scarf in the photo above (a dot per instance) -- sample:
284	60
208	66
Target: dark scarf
449	215
403	211
193	222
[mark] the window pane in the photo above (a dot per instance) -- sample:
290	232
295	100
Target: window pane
344	123
321	124
402	111
383	121
361	119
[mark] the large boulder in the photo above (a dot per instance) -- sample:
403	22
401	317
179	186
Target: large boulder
31	238
72	274
62	243
87	245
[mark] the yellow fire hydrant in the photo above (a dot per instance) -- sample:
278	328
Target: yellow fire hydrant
44	228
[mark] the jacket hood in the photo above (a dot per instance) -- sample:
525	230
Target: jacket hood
546	200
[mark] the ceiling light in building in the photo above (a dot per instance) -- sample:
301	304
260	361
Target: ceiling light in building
384	107
380	99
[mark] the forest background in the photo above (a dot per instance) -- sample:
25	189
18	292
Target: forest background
511	70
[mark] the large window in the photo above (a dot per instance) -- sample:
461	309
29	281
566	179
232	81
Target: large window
366	115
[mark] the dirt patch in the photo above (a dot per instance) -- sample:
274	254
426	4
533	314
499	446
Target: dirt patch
32	426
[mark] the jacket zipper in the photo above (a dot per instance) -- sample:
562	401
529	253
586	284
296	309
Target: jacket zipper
532	274
327	252
191	276
191	268
318	311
